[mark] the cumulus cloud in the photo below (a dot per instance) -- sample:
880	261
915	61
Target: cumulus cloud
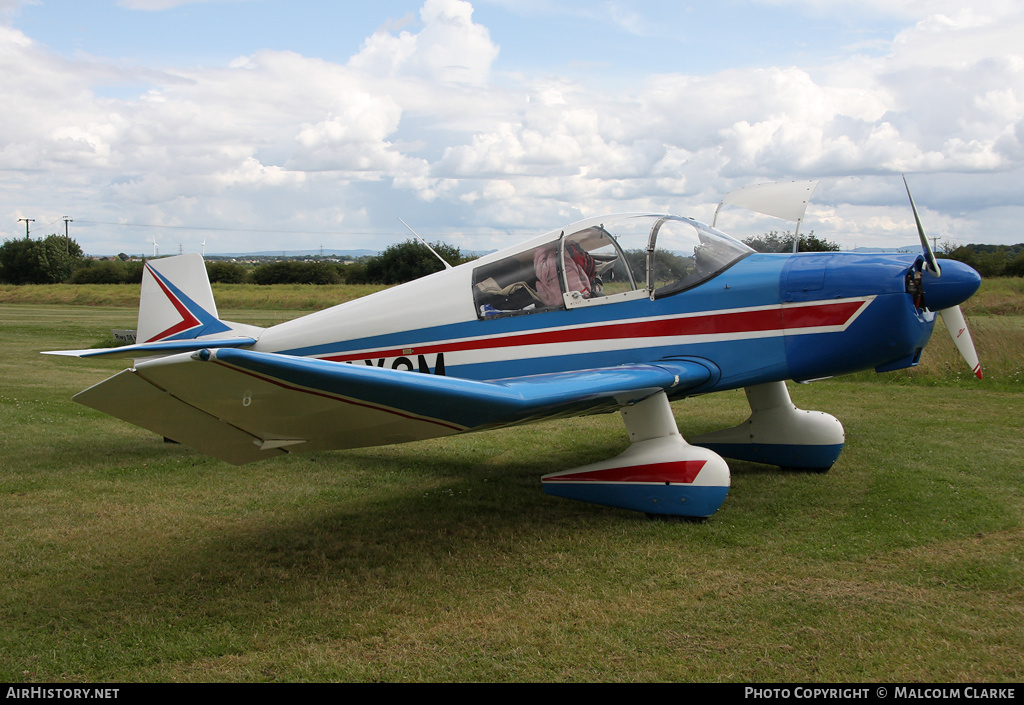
417	115
450	48
947	98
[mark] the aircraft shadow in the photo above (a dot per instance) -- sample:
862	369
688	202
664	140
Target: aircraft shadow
435	518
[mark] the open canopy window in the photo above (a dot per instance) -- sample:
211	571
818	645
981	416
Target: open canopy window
604	260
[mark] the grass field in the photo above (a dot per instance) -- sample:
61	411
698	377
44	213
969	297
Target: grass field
127	559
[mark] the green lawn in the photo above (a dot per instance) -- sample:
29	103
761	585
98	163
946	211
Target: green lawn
127	559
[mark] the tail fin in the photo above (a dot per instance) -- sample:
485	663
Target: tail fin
177	313
177	301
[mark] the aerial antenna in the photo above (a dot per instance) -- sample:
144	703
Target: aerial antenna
446	265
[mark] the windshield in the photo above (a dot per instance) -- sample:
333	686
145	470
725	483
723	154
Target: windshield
661	254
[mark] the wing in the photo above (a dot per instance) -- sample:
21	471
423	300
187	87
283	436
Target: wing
241	406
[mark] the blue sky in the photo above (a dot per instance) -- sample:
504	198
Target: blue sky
588	39
264	124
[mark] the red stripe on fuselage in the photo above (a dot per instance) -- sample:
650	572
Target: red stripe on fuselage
752	321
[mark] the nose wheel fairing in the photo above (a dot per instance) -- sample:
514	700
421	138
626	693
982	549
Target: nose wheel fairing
778	433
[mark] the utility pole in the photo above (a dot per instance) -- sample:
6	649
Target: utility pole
27	221
67	238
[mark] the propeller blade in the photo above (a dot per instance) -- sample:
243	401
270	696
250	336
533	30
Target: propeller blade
929	256
953	318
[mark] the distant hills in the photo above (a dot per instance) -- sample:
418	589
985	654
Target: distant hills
915	248
346	254
356	254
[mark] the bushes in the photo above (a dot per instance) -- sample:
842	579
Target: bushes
990	260
226	272
409	260
112	271
295	272
115	271
773	241
57	259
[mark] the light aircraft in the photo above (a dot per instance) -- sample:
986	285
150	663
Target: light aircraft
618	313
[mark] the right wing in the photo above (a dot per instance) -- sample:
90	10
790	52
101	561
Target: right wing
241	405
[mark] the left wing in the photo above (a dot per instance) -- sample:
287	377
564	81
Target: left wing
241	405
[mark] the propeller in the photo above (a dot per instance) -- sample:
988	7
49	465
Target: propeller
953	318
929	256
964	283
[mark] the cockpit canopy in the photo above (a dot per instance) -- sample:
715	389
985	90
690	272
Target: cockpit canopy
604	260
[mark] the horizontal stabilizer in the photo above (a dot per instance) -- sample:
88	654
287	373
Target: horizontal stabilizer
132	398
271	403
167	347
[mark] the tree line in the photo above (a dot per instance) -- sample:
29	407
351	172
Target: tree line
989	260
58	259
774	241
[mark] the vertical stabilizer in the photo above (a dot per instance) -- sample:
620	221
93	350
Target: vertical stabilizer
177	301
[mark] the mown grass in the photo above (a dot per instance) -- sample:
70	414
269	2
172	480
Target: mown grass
292	297
127	559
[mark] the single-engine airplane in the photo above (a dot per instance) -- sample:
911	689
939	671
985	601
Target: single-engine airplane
617	313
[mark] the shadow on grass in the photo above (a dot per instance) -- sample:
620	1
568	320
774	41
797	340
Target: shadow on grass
206	539
366	519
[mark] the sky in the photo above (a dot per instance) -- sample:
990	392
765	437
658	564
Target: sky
266	125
